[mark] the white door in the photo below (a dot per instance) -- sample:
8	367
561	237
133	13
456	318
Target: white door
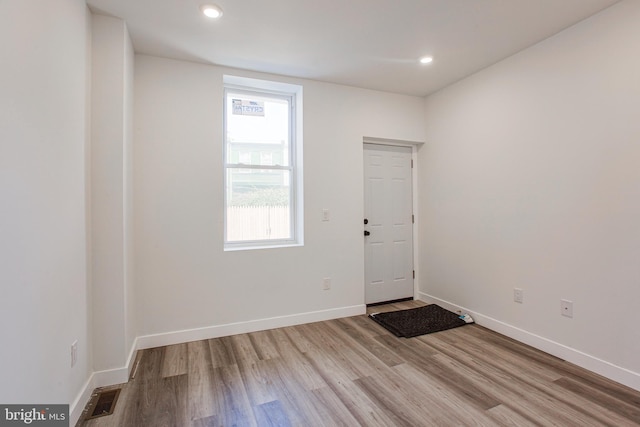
388	228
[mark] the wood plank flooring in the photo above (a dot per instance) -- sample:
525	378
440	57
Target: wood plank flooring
351	371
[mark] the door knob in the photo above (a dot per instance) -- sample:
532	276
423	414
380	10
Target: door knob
366	221
366	233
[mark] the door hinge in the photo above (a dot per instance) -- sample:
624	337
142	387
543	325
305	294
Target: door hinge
414	274
411	163
413	219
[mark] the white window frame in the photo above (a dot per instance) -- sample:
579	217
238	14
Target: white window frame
293	93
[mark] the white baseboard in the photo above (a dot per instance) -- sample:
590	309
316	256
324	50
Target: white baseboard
591	363
100	379
132	357
78	405
187	335
121	375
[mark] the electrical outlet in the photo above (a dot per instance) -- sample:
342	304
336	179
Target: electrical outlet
74	353
326	283
566	308
518	295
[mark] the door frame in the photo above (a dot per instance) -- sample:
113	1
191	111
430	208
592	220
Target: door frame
415	146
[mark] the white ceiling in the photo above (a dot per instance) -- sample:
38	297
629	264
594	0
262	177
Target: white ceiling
365	43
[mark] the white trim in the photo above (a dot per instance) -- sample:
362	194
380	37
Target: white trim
609	370
416	220
387	141
97	379
132	357
101	379
261	244
121	375
196	334
414	145
111	377
293	95
79	403
238	82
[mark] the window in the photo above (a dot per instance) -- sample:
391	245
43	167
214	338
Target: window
263	174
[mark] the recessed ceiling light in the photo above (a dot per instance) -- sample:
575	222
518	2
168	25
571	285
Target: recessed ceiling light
426	60
211	10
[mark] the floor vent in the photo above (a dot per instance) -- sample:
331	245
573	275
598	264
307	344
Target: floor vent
105	403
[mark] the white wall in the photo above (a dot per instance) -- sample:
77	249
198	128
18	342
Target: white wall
44	69
530	178
184	279
111	183
131	327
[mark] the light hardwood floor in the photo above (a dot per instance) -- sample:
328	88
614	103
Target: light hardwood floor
351	372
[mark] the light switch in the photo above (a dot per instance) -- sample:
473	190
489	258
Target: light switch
325	214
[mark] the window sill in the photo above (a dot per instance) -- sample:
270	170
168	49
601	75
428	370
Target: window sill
251	247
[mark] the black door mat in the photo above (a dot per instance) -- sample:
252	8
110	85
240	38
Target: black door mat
418	321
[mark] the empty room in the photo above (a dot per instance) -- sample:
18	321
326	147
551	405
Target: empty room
302	213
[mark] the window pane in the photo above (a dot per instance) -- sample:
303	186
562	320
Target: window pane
257	129
258	205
